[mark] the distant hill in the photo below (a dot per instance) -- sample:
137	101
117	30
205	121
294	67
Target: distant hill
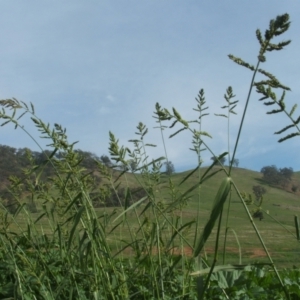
13	161
279	206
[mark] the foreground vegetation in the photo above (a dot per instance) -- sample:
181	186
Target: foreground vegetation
151	248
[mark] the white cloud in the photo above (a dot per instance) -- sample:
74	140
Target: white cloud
110	98
103	110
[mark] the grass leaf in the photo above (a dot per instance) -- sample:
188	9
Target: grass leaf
76	220
215	212
131	207
189	175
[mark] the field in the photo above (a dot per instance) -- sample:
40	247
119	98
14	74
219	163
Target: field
123	232
277	227
278	234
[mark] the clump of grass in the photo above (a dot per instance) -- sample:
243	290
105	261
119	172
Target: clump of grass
68	249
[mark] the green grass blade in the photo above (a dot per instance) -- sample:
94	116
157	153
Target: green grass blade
39	217
18	210
188	191
172	135
128	197
115	227
72	202
130	208
238	242
151	163
188	224
148	205
76	221
216	210
214	163
120	175
297	227
189	175
60	241
204	178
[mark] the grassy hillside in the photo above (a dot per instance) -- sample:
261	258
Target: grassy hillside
277	228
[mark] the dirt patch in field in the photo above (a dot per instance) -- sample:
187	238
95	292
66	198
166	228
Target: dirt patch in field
256	252
250	252
289	207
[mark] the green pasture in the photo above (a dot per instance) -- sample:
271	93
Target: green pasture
277	227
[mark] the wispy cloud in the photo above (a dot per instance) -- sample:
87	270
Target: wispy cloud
103	110
110	98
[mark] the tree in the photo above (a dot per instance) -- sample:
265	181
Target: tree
169	167
294	188
88	159
221	160
133	165
258	191
235	162
258	214
287	173
272	175
105	160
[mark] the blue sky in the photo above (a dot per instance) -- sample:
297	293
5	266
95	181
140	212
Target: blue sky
100	66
